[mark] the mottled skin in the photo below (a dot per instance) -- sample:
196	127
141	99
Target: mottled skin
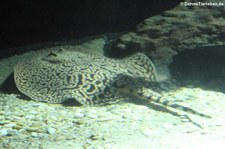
57	74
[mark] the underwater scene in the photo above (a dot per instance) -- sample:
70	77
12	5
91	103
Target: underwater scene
113	74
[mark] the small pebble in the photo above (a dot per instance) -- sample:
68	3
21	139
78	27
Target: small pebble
94	137
34	134
33	112
93	116
3	132
79	115
4	122
36	105
13	133
51	130
16	118
80	122
31	129
59	138
10	125
18	126
29	116
147	132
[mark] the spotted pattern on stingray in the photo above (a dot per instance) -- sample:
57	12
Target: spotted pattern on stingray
60	73
73	72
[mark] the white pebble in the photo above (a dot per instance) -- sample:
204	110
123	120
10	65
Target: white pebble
29	116
93	116
51	130
36	105
79	115
34	134
13	132
147	132
33	112
10	125
16	118
3	132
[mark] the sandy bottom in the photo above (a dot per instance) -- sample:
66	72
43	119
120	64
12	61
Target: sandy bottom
129	124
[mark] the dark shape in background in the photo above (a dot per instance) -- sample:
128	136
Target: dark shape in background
9	87
202	67
27	22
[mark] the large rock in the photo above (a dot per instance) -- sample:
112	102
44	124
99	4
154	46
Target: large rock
167	34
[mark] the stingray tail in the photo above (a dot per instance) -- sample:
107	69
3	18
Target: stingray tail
157	98
167	103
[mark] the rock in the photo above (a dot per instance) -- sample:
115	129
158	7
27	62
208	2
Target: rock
148	132
167	34
59	138
93	116
31	129
78	115
3	132
10	125
34	134
80	122
18	127
13	133
51	130
4	122
36	104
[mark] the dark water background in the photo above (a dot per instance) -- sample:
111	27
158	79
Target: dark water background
27	22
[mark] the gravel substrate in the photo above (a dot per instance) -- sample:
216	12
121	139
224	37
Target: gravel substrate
133	123
129	124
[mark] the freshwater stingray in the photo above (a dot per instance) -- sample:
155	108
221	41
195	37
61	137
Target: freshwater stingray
57	74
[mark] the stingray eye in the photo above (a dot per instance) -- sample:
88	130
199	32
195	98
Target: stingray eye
119	84
108	94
